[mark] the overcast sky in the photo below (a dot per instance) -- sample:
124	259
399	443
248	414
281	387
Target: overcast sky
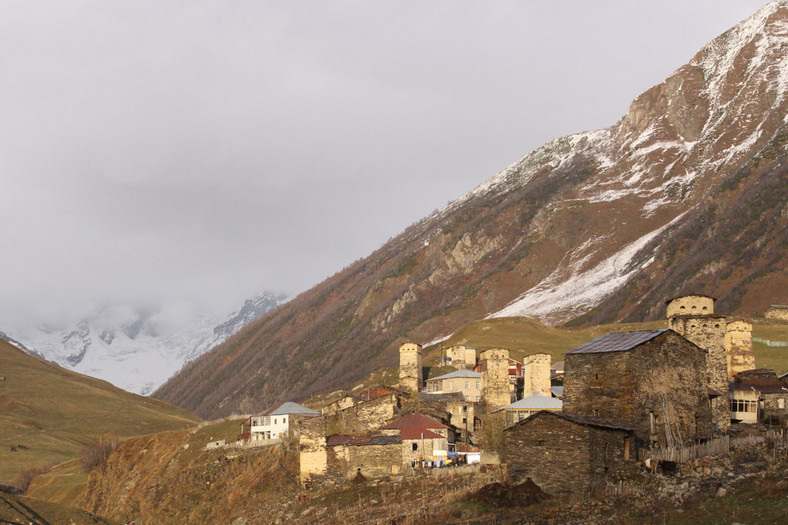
156	151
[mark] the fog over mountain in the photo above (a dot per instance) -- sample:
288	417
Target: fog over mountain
166	153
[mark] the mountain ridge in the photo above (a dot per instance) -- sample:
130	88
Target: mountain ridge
684	193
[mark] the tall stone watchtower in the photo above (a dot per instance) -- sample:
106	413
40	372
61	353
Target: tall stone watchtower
496	389
536	375
693	317
410	372
738	346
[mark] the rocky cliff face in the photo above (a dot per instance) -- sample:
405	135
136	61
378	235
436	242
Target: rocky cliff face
687	192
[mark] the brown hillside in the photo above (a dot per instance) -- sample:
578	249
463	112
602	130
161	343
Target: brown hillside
686	192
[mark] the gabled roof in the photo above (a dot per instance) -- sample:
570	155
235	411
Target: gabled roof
620	342
288	407
690	295
414	420
458	373
591	421
345	439
535	403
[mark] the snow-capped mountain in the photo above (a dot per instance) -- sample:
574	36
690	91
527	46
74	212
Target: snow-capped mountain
135	348
686	193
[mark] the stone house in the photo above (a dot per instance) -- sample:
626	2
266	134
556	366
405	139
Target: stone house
568	454
351	399
778	311
277	422
466	382
528	406
462	413
366	415
652	381
423	438
371	456
759	395
458	356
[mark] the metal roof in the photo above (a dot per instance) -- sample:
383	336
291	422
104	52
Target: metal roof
288	407
593	421
536	403
459	373
620	342
557	391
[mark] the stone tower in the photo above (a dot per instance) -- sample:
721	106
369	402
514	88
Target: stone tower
693	317
496	388
738	347
536	375
410	371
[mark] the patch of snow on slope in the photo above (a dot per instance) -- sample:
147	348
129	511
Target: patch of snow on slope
558	297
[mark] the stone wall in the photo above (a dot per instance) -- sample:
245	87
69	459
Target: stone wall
778	312
775	407
410	367
364	417
563	457
373	461
459	356
660	382
738	348
708	332
312	448
424	449
690	305
496	388
536	375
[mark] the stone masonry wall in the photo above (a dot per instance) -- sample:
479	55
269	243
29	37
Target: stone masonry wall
690	305
536	375
312	448
496	390
708	332
363	417
738	348
628	387
410	367
373	461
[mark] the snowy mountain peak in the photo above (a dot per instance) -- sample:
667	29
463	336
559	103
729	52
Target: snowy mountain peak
134	348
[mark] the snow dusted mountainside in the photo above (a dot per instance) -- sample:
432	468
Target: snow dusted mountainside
688	192
132	348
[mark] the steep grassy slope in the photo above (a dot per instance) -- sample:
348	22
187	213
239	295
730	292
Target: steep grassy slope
685	193
53	413
22	510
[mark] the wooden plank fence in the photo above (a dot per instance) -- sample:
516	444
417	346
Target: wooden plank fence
713	447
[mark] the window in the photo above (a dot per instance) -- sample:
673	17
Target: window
781	403
274	421
595	412
464	420
415	447
464	408
478	385
742	405
467	385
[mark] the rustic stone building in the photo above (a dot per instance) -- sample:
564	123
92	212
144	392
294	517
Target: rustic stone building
738	347
536	375
778	312
411	375
568	454
652	381
496	387
423	438
759	395
365	416
467	382
458	356
312	448
372	456
693	317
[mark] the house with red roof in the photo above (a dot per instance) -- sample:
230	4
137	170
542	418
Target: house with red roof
423	438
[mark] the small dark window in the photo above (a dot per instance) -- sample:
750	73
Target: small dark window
595	412
415	446
596	376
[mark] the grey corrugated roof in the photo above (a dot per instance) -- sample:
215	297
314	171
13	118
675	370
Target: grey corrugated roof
620	342
557	391
536	403
459	373
288	407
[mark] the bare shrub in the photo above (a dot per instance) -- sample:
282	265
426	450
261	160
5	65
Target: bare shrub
25	478
96	452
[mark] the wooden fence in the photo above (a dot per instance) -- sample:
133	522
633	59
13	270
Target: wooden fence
713	447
